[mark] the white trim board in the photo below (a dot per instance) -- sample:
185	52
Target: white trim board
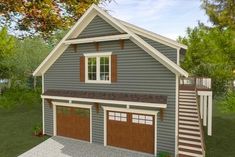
142	104
70	105
43	106
84	21
97	39
154	113
153	36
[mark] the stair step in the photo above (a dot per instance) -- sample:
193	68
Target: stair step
190	137
189	127
187	107
188	114
190	154
189	131
187	103
188	110
188	122
187	97
190	94
187	91
187	100
190	142
189	118
190	147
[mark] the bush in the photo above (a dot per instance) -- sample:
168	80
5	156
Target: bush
19	97
227	104
164	154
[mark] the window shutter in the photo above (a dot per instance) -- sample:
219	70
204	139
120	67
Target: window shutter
113	68
82	69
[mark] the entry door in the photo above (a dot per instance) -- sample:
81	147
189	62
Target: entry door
131	131
73	122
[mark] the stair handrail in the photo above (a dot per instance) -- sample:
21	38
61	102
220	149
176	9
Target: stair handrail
201	126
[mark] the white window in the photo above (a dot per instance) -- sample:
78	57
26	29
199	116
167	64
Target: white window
117	116
142	119
98	67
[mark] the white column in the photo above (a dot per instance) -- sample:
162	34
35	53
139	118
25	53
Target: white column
201	106
209	130
204	110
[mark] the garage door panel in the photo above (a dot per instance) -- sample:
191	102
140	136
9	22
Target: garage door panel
136	133
73	122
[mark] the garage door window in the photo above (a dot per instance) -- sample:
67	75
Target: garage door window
118	116
82	112
142	119
63	110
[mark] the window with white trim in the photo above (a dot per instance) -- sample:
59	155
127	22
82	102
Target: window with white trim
118	116
98	67
142	119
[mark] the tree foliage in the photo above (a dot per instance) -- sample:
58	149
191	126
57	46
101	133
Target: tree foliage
211	53
220	12
43	16
7	45
29	53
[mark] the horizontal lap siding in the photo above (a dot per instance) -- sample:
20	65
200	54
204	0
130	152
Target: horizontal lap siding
138	72
98	27
98	126
48	116
169	52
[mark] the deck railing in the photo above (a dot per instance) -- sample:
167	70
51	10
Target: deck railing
195	82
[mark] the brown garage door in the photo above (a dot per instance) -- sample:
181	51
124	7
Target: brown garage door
131	131
73	122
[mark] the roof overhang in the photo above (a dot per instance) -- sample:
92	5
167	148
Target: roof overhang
153	36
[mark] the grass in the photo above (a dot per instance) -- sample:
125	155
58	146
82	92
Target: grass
17	122
222	141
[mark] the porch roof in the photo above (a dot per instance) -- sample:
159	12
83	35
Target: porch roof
108	97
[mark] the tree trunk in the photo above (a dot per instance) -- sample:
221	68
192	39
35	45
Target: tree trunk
9	83
34	82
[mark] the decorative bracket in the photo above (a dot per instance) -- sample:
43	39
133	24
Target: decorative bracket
97	107
49	101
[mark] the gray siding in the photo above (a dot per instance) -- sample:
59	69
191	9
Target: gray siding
98	27
138	72
169	52
48	116
98	126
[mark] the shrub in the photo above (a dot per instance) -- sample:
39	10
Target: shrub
19	97
164	154
227	103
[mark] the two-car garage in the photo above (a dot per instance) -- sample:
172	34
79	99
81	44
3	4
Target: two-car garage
129	130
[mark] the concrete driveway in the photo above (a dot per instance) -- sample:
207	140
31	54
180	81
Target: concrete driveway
65	147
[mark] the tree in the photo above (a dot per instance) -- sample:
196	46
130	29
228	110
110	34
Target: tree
220	12
210	53
6	51
29	53
43	16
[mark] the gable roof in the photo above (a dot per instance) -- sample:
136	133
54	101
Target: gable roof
84	21
151	35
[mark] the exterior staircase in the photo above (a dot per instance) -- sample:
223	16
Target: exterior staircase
191	142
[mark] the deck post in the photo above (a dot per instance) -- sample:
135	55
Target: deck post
209	130
205	110
201	106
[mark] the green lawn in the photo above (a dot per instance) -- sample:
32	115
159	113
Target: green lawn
16	129
222	141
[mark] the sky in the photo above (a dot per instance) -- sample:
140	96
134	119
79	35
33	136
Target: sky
169	18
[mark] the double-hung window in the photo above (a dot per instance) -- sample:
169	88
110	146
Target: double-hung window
98	67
